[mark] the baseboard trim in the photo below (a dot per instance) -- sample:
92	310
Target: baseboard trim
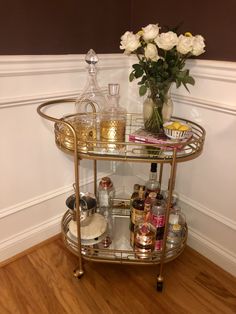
29	250
212	251
208	212
26	239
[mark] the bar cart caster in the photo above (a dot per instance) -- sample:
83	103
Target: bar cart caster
78	273
159	283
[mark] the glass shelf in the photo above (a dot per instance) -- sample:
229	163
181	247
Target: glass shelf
120	250
80	132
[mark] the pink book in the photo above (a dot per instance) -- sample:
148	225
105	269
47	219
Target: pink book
143	136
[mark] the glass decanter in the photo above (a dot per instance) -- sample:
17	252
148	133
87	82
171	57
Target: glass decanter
113	120
92	97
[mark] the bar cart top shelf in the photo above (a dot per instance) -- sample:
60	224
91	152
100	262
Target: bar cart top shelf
71	137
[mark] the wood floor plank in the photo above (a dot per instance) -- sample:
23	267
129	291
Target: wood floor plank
42	283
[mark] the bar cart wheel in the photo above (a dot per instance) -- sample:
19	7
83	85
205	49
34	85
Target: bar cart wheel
78	273
159	284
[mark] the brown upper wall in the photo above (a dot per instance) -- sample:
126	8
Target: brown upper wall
62	26
214	20
74	26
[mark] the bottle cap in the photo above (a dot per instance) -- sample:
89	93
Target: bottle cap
106	183
153	167
136	187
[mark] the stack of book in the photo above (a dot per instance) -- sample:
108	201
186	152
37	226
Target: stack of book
143	136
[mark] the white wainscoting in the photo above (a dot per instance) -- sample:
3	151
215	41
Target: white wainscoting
36	177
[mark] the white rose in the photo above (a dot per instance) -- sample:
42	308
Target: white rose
198	45
185	44
130	42
150	52
167	40
150	32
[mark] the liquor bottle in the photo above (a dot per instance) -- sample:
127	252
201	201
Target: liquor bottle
135	193
144	240
152	185
113	120
92	97
158	221
131	224
106	193
138	212
149	202
176	226
174	198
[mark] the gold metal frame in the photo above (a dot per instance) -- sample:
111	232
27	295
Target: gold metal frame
137	152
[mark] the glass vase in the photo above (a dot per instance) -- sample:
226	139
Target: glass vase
157	108
167	106
152	114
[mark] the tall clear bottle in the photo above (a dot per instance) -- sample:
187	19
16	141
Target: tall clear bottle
152	185
106	194
113	120
176	226
92	97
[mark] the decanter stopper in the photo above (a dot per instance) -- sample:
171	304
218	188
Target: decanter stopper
91	57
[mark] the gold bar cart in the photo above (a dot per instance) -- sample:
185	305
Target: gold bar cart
80	142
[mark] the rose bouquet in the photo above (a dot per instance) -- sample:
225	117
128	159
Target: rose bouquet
161	61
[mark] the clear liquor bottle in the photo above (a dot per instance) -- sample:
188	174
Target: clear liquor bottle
152	185
106	194
113	120
176	226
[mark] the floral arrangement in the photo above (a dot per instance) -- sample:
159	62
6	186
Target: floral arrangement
161	59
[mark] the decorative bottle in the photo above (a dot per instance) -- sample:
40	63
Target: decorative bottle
92	97
175	226
113	120
152	185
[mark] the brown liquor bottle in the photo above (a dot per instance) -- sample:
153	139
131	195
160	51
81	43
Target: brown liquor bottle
138	212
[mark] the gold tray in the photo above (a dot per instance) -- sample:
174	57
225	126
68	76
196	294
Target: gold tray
80	132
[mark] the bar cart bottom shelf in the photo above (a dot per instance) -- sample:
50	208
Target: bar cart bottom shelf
120	250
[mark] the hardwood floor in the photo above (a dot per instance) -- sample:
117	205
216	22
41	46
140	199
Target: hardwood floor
42	282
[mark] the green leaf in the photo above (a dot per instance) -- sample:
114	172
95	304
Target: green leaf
131	77
138	73
142	90
190	80
136	66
